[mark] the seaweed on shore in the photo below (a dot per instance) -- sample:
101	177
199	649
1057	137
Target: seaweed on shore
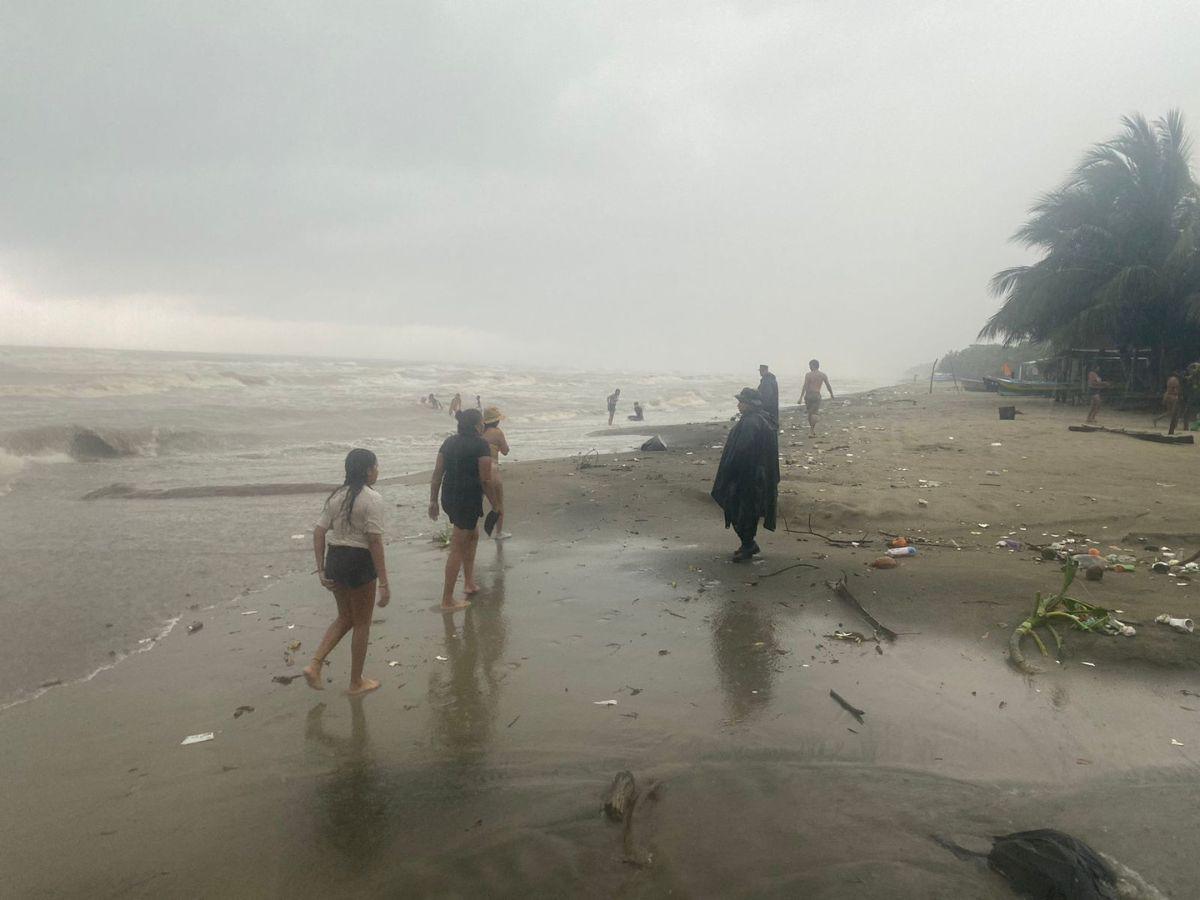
1063	610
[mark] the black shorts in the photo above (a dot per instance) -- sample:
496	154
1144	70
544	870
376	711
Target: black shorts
464	515
349	566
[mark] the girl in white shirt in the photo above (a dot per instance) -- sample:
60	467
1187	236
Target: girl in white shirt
348	544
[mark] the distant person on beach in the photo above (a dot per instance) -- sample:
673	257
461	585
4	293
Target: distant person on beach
498	444
463	474
747	482
434	403
768	387
1171	401
638	414
478	403
1096	384
348	545
456	405
612	404
813	382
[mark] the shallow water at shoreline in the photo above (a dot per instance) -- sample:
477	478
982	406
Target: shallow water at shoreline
105	576
482	758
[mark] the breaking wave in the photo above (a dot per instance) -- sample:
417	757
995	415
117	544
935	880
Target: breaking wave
86	444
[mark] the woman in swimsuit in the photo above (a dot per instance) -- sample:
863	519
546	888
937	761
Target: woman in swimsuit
498	444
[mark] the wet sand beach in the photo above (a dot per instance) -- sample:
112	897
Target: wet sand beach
477	768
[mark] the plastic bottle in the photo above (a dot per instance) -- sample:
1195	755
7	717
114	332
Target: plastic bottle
1087	561
902	551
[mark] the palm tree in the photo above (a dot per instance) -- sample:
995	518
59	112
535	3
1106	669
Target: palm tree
1121	242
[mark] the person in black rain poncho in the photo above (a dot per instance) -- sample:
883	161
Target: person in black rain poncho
768	387
747	482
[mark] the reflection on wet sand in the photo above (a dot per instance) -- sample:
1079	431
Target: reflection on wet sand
464	692
353	802
744	651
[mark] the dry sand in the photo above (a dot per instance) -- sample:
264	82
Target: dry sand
478	766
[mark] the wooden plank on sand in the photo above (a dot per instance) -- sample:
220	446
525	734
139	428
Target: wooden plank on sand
1155	436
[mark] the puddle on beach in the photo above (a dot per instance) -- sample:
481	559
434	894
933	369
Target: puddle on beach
769	786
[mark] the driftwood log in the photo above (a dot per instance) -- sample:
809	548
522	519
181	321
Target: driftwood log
620	796
1154	436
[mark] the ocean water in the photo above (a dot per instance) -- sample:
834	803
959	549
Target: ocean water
89	582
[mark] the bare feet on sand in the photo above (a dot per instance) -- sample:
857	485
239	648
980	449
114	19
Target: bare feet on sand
470	589
363	687
312	674
453	606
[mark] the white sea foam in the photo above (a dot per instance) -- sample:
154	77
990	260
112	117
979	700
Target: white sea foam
144	645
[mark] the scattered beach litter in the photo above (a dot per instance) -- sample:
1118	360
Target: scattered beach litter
393	663
250	612
654	443
1092	664
853	637
442	658
884	562
1175	743
839	587
194	627
1185	626
848	707
242	710
284	679
197	738
604	702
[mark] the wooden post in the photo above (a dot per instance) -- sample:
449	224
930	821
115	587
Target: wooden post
932	369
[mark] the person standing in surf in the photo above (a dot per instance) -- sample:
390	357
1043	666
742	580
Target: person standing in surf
612	404
747	482
462	474
498	444
348	545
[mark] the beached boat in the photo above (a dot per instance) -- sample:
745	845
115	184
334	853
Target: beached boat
1030	381
1012	387
976	385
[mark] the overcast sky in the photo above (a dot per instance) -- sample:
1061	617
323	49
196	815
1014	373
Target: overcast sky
687	185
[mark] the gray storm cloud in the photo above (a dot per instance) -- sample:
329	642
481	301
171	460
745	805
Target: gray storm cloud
693	185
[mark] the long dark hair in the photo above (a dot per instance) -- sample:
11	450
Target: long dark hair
358	465
469	421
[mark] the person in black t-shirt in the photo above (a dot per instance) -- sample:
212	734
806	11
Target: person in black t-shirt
463	474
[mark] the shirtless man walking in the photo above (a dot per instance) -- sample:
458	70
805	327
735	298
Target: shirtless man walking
813	382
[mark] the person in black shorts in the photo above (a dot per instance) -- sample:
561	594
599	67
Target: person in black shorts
348	545
463	474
